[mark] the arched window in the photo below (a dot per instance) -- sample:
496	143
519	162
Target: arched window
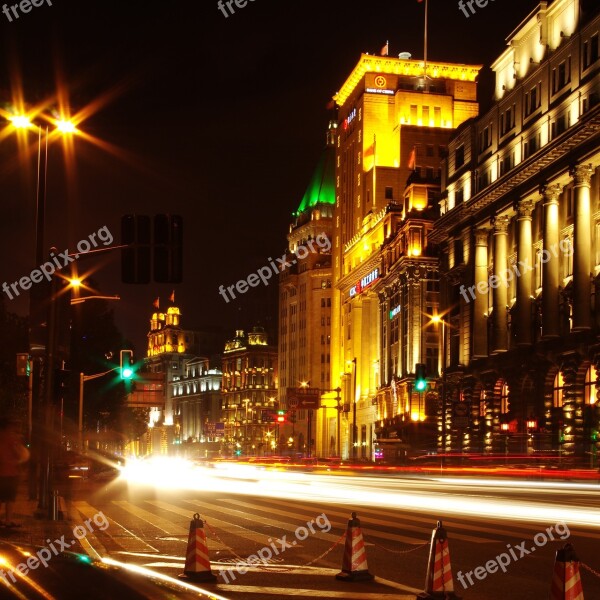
590	385
558	390
504	404
482	403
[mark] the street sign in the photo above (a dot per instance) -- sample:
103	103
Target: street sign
304	397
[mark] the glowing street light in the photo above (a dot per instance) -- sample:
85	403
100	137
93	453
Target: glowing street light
21	121
66	126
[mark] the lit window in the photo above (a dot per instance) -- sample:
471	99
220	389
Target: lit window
590	385
504	400
557	395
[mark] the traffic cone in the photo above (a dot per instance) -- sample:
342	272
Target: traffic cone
197	565
354	563
438	581
566	581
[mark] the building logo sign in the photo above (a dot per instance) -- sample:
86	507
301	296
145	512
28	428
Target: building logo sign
395	311
380	81
380	91
364	283
350	118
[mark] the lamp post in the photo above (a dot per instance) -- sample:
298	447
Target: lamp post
246	401
437	319
42	344
354	426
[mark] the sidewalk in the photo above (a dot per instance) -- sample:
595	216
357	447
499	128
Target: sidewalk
33	531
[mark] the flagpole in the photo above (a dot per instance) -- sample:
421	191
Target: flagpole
425	42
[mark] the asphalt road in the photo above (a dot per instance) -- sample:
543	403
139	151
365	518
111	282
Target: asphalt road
298	517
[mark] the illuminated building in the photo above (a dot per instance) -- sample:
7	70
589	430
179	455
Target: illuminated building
250	393
305	299
520	229
169	348
197	402
394	125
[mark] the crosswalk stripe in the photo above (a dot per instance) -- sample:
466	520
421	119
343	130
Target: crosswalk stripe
164	525
281	591
363	516
212	544
128	541
90	543
342	525
265	521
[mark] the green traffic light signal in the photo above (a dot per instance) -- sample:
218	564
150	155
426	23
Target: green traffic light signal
420	377
126	364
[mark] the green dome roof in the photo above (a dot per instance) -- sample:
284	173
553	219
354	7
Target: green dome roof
321	188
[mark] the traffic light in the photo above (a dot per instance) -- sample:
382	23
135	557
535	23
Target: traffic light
23	366
420	377
136	257
126	364
61	383
281	417
152	250
292	417
168	249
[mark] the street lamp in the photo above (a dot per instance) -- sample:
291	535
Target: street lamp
437	320
354	426
246	401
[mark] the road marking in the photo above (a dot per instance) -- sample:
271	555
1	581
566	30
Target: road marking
95	550
212	544
165	525
281	591
129	542
388	536
274	523
395	523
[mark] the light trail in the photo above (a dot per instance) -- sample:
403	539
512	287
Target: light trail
440	497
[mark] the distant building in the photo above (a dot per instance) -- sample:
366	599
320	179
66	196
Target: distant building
249	392
197	405
169	348
305	304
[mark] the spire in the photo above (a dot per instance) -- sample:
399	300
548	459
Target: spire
321	189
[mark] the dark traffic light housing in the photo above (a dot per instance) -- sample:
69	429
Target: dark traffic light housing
152	251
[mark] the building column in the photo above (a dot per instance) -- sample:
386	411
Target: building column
570	429
480	338
469	435
490	419
500	291
582	241
596	423
524	257
550	268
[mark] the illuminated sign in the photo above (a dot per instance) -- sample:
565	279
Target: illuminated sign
380	81
394	311
350	118
379	91
364	283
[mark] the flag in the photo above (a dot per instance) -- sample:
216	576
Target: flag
419	1
172	297
412	161
156	303
385	50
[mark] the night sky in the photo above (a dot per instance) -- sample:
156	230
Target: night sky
221	120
